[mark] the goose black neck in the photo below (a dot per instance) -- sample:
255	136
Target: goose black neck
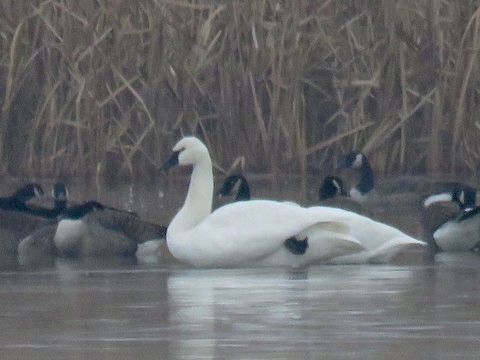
61	206
49	213
468	214
10	203
366	181
79	211
243	190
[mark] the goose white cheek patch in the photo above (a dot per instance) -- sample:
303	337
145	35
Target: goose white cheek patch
358	161
437	198
337	186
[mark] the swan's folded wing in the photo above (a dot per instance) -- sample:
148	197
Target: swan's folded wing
250	230
328	240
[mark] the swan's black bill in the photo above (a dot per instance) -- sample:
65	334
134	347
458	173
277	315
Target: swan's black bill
171	162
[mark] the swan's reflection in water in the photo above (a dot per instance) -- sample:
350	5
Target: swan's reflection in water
217	310
338	312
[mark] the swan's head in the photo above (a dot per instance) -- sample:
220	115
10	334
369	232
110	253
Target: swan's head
354	160
188	151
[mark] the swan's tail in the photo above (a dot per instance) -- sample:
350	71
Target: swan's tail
398	250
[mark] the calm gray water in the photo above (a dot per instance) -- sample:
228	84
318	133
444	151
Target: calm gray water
82	311
123	310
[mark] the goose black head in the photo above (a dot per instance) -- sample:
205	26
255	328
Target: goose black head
60	195
465	197
18	200
331	187
28	192
235	185
354	160
358	161
60	192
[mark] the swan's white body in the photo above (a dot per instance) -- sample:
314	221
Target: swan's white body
252	233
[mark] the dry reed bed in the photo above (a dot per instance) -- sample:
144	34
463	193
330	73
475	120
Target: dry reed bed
107	86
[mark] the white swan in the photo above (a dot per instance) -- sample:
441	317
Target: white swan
255	232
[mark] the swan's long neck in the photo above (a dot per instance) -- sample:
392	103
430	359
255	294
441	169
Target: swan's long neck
198	203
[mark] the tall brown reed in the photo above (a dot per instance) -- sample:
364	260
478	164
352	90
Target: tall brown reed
106	87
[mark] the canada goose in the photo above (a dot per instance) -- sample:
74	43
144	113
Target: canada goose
18	200
464	196
435	214
247	233
235	185
452	221
37	248
14	227
93	229
396	201
59	196
332	193
332	186
402	189
16	221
